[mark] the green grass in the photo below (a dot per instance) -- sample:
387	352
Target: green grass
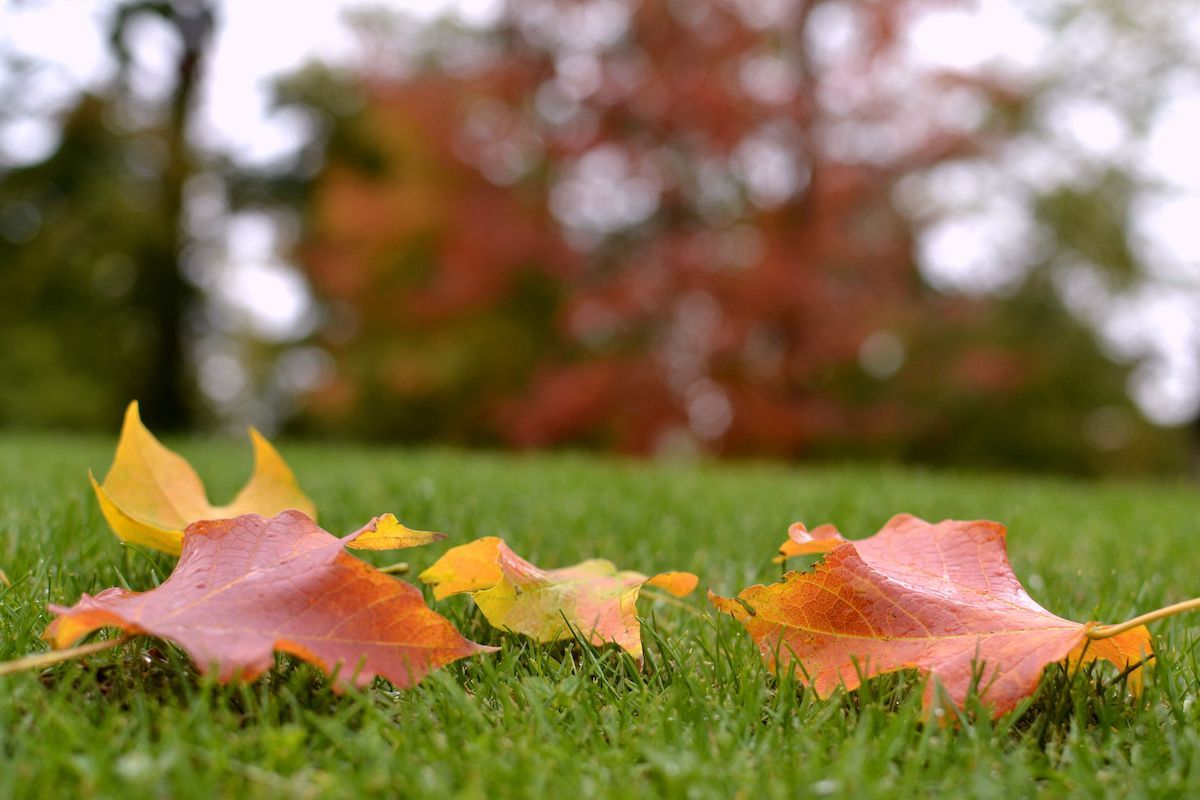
703	719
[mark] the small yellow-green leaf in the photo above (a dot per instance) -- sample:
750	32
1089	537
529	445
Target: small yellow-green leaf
385	532
592	597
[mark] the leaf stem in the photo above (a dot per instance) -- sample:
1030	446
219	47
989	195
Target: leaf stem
399	568
57	656
1108	631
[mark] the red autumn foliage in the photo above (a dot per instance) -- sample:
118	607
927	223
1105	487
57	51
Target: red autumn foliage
678	233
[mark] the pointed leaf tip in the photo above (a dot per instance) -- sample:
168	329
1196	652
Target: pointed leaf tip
729	605
677	583
470	567
802	541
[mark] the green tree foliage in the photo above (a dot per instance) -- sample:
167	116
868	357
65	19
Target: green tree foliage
78	338
92	293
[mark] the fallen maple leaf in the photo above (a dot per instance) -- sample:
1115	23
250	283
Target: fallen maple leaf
803	542
941	599
591	597
152	494
248	586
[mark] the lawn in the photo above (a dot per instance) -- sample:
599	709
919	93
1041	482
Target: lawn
702	719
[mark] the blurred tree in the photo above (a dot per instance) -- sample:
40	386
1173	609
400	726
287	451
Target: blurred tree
658	226
74	349
168	294
668	226
92	296
444	287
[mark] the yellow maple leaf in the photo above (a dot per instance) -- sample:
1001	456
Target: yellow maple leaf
151	494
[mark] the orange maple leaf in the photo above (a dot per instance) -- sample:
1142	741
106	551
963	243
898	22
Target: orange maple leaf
591	597
248	586
939	598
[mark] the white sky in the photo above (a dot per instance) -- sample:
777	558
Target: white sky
69	34
980	248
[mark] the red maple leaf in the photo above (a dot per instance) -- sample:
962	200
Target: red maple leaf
248	586
941	599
